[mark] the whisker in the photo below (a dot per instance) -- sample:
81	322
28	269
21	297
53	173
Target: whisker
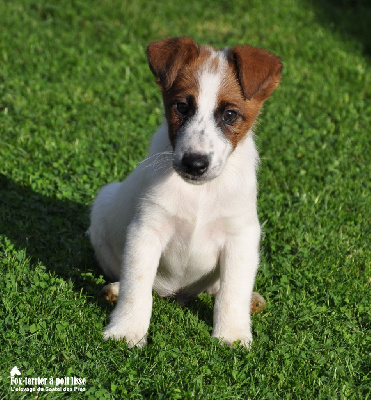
155	155
161	161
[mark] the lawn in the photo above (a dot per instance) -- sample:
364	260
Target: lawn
78	106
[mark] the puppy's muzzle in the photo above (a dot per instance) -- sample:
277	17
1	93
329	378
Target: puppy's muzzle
194	164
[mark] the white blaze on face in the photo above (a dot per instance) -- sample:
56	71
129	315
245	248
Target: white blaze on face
201	135
209	81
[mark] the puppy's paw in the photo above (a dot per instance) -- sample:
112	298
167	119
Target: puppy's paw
257	303
118	333
230	339
245	342
110	292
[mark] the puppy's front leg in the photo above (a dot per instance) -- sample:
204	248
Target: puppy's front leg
131	317
238	265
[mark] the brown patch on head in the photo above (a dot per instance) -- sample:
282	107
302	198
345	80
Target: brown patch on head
258	71
175	63
251	76
185	89
166	57
249	79
231	99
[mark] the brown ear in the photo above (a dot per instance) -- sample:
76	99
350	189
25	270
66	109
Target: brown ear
166	57
258	71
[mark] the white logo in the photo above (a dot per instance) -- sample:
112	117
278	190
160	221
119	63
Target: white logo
14	371
45	384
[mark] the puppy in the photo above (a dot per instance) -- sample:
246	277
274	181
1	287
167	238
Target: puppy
185	221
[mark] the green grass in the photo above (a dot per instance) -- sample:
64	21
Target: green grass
78	105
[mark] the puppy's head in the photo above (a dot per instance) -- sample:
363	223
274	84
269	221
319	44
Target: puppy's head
211	99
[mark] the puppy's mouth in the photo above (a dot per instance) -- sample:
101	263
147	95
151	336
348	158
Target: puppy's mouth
191	179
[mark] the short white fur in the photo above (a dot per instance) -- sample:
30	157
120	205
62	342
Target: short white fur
156	231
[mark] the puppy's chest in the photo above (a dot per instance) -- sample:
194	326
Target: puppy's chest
191	253
196	221
198	229
197	236
196	242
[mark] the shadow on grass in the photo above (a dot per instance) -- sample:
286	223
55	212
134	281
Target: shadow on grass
51	231
202	309
349	18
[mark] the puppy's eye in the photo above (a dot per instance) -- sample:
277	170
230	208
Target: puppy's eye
182	107
229	116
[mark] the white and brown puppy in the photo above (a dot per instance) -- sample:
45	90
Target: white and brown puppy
185	221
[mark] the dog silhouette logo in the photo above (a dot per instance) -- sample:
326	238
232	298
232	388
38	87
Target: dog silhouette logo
14	371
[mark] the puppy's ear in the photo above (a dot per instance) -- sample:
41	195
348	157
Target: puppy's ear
166	57
258	71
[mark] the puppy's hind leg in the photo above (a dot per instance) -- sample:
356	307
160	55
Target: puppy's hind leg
258	302
111	292
100	231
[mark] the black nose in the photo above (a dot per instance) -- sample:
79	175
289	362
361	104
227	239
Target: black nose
195	164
